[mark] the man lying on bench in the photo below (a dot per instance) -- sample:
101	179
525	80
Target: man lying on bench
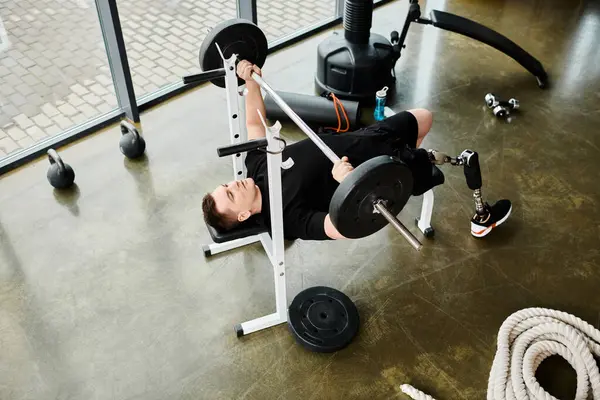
307	190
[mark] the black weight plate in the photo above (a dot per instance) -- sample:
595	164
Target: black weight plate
351	207
235	36
323	319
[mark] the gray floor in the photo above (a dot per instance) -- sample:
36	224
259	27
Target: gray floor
105	292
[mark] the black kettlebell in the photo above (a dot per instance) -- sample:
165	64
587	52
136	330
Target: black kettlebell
132	144
60	175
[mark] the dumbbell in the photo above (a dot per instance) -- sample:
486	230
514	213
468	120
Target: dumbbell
501	108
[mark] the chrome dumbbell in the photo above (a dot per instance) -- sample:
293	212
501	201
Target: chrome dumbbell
501	108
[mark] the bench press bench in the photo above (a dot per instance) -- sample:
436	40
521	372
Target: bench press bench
322	319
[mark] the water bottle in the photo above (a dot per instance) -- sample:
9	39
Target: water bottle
380	104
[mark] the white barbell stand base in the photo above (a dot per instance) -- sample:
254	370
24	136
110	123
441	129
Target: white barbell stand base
273	243
261	323
426	211
281	315
216	248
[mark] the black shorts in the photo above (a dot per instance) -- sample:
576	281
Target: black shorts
400	131
399	134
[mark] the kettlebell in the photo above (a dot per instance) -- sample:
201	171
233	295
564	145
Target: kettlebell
132	144
60	175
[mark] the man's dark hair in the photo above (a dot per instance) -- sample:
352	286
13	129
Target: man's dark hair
213	217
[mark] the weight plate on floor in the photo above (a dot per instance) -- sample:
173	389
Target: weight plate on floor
323	319
236	36
351	209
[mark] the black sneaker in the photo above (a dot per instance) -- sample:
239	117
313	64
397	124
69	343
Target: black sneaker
495	215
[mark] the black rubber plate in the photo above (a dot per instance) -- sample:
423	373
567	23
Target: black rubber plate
323	319
351	207
236	36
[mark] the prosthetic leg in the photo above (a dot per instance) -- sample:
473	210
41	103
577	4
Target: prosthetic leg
486	217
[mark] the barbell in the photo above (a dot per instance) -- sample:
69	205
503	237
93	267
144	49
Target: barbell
371	195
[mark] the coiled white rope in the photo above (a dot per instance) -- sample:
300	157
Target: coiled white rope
526	339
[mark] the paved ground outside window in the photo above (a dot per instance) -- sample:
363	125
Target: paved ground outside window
54	72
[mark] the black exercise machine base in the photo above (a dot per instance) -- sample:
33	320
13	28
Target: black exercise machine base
356	64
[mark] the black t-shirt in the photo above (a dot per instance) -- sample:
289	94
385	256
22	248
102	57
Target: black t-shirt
307	187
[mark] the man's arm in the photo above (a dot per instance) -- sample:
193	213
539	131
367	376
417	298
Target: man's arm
340	171
331	231
254	100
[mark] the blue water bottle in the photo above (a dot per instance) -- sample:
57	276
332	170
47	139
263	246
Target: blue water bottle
380	104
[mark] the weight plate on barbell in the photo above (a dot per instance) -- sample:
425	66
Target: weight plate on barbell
323	319
235	36
351	208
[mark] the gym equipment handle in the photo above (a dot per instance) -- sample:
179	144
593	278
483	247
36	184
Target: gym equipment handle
54	158
242	147
204	76
414	242
294	117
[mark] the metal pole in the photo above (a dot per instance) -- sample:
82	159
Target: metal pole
339	8
414	242
246	9
117	57
301	124
237	127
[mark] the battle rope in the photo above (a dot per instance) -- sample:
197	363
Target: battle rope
526	339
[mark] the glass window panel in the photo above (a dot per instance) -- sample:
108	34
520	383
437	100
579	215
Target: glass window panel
54	72
163	37
278	18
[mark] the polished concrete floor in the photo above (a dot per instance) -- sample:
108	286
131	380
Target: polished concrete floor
105	292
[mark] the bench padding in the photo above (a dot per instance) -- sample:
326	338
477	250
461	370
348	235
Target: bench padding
249	228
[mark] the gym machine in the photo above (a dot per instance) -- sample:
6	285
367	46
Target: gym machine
322	319
363	202
356	64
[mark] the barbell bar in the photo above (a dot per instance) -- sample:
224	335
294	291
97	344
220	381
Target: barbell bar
294	117
414	242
